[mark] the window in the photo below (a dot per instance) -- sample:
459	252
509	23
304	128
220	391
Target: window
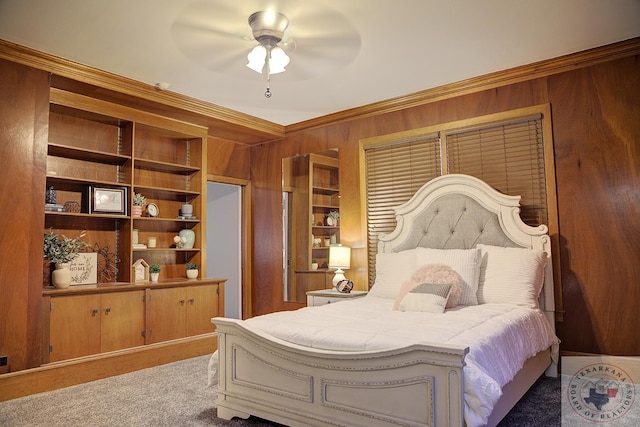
509	151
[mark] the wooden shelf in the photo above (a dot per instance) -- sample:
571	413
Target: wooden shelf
157	219
79	183
165	167
168	193
166	250
325	190
86	155
86	215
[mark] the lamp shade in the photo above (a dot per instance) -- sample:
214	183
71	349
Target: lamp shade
278	60
257	58
339	257
275	58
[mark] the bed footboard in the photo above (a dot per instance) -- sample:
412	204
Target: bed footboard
266	377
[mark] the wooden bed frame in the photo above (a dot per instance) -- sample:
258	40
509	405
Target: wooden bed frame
414	386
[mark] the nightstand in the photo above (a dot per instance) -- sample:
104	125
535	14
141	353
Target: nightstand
329	296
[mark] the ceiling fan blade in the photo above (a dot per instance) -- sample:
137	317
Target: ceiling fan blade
213	36
217	35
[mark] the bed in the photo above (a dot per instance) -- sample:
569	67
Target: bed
406	354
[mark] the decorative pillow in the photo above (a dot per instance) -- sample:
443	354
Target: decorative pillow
429	297
392	269
511	275
466	262
437	274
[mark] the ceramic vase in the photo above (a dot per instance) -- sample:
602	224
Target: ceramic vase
190	236
61	276
136	210
192	274
154	277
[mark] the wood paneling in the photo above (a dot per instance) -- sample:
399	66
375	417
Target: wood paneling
24	120
597	145
595	113
226	158
594	99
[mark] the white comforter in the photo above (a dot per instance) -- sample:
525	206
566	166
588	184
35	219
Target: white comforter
500	338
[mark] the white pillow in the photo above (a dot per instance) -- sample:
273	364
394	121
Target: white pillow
511	275
392	270
466	262
429	297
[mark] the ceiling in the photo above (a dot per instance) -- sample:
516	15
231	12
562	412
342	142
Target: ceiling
348	53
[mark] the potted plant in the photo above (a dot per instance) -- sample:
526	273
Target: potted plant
332	218
61	250
154	272
314	264
192	270
138	202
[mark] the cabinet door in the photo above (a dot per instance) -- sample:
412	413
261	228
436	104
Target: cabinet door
122	320
75	327
202	305
167	318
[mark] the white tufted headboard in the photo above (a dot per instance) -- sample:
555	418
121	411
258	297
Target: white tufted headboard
460	211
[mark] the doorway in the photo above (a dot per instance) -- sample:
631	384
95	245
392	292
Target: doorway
224	242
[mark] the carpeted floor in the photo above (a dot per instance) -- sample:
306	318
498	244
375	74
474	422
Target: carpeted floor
176	394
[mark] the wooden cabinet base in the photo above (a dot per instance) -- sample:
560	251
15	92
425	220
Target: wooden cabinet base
81	370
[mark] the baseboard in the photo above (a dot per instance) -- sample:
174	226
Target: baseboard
77	371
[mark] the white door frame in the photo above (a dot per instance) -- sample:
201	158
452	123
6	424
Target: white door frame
245	230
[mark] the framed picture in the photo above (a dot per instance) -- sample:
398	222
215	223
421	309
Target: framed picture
108	200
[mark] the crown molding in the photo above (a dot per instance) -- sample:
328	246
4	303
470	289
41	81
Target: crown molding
532	71
272	131
123	85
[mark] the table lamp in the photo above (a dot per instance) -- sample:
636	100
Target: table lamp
339	259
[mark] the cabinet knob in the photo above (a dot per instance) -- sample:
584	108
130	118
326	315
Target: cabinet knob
107	310
182	302
192	301
95	312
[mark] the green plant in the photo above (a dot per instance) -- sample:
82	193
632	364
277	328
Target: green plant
154	268
139	199
60	249
314	261
192	266
334	214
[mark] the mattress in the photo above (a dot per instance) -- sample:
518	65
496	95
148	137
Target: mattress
500	337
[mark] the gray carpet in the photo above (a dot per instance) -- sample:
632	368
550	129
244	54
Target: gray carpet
176	394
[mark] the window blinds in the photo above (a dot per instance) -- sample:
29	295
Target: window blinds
509	156
393	174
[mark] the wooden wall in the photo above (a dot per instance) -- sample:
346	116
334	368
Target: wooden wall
595	113
24	119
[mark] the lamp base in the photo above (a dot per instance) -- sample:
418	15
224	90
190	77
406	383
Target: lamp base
338	277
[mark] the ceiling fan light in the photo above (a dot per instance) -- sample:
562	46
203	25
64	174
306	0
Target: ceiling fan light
278	61
256	58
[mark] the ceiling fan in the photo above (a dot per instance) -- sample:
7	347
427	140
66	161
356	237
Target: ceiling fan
222	35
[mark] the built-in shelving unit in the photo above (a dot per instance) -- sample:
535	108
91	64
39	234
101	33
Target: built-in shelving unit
96	144
315	187
96	147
